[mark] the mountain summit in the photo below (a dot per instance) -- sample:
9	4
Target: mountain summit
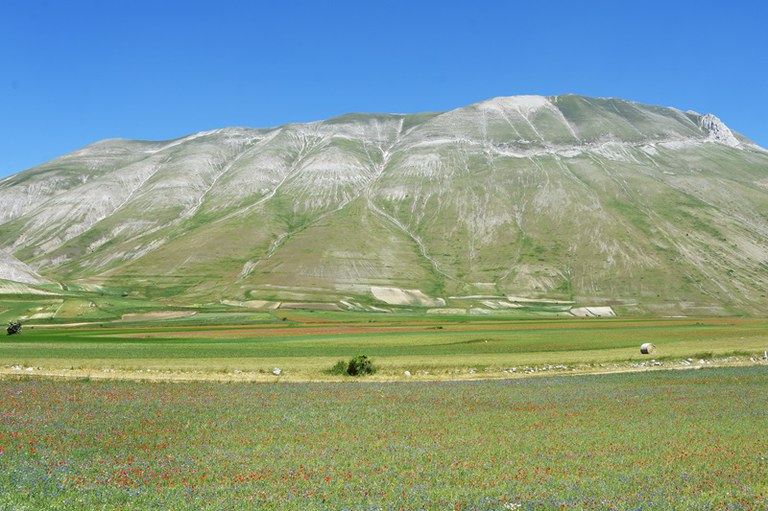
593	201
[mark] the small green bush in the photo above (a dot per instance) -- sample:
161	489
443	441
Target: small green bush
339	368
14	327
357	366
360	366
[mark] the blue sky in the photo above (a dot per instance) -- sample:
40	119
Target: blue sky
75	72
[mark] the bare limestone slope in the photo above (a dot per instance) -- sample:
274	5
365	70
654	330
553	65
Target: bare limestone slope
593	201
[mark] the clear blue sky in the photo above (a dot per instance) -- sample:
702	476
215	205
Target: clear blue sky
75	72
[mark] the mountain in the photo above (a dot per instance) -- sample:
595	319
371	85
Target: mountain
601	202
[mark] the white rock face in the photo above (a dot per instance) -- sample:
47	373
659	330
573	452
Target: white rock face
718	131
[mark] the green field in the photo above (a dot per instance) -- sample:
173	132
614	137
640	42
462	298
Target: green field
205	432
305	344
669	440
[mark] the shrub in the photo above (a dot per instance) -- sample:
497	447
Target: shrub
339	368
360	365
357	366
14	327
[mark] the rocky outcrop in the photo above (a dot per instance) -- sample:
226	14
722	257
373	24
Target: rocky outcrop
718	131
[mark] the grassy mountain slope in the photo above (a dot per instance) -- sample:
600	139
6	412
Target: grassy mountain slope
597	201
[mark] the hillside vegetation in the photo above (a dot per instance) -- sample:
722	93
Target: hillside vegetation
599	202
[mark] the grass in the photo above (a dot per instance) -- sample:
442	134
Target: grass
305	344
686	440
70	306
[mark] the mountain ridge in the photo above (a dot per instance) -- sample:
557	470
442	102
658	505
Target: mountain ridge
528	196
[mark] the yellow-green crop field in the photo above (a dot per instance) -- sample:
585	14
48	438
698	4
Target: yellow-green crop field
305	344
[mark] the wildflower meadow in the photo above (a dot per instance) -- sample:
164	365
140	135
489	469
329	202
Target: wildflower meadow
678	440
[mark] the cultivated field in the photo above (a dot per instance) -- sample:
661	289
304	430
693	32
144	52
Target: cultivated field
305	344
464	413
684	440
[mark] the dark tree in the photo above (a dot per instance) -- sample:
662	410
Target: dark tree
360	365
14	327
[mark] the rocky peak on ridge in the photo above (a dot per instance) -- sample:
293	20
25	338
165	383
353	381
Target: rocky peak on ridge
718	131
